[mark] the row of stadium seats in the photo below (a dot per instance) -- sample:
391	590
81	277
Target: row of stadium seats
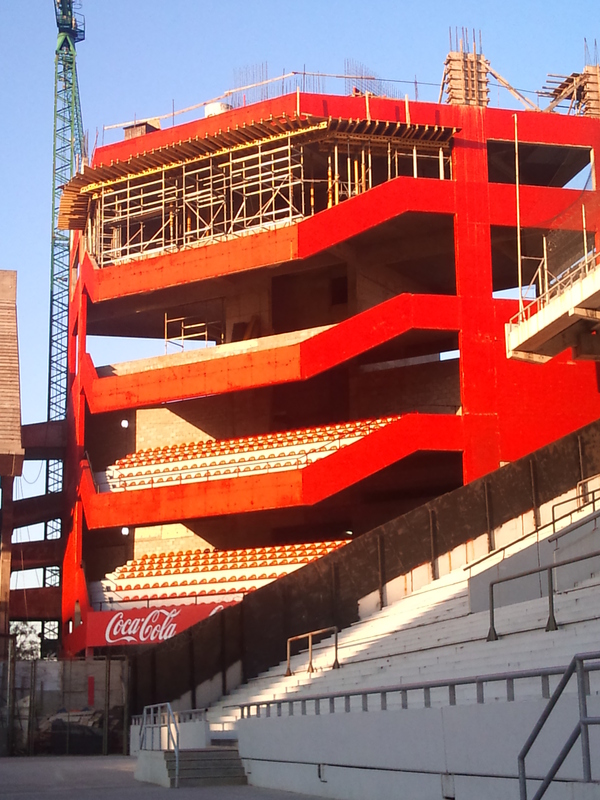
268	441
223	560
200	573
230	458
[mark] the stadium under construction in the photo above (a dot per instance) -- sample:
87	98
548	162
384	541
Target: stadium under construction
365	370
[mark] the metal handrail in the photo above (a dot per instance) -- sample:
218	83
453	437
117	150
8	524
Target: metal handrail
187	715
577	666
581	268
185	600
332	629
578	523
551	624
479	681
156	717
552	524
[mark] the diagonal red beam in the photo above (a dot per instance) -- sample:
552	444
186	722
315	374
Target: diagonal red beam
268	248
272	365
398	440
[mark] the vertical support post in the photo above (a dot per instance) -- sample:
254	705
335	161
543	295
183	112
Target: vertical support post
580	452
336	663
432	543
126	683
518	199
329	183
488	517
336	176
302	182
492	635
106	705
68	706
389	161
584	732
10	692
536	510
363	176
585	247
288	671
545	265
551	624
31	715
441	163
192	667
414	156
380	571
310	652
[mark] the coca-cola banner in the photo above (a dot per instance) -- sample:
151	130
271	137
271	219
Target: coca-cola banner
147	625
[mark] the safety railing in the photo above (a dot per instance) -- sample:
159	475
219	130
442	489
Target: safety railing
156	719
581	730
188	715
120	602
558	285
380	694
333	629
586	506
551	624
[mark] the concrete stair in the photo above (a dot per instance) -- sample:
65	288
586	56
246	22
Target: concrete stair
432	636
211	766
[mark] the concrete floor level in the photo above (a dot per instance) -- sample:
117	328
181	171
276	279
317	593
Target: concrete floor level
91	777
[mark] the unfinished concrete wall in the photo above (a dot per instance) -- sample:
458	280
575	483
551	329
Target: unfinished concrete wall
381	389
309	299
223	417
248	303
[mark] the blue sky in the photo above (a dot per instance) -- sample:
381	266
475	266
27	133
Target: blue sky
139	57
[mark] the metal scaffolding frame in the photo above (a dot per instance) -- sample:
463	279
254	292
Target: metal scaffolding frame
254	187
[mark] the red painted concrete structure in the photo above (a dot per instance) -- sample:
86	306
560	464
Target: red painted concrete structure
507	409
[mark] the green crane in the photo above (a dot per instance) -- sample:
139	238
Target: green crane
69	150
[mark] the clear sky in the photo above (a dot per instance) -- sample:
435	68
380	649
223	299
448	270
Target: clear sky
141	55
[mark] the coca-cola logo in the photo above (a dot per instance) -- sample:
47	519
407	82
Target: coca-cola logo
157	626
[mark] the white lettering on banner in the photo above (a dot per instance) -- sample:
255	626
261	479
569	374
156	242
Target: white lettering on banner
157	626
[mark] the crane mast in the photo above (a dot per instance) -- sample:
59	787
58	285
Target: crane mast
69	150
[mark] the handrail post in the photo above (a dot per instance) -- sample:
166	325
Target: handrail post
288	671
336	663
492	635
310	669
551	624
584	729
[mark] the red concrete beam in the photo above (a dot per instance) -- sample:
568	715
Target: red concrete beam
268	248
272	365
410	434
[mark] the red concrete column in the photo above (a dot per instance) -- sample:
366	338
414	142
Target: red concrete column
473	256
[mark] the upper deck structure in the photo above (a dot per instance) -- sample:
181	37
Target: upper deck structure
341	258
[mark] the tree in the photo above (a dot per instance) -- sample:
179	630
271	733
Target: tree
28	644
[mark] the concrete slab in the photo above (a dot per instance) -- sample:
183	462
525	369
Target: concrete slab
98	777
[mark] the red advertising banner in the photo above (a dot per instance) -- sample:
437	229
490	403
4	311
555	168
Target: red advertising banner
148	625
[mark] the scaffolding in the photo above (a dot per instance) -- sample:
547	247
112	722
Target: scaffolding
256	186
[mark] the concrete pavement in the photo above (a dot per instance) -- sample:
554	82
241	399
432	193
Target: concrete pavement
106	778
